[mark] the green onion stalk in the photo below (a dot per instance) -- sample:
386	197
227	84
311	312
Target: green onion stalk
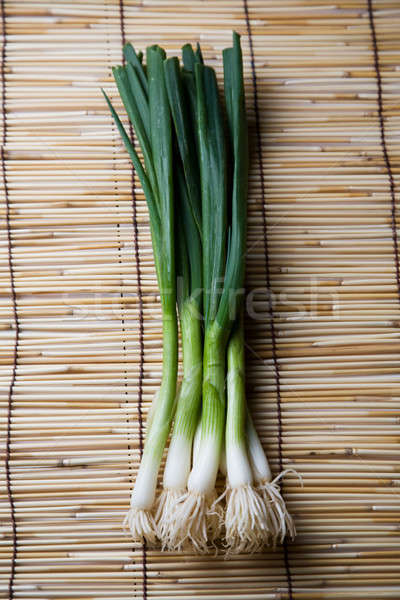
180	83
224	237
144	95
256	514
246	517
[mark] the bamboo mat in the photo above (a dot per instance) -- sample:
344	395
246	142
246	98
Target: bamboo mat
80	321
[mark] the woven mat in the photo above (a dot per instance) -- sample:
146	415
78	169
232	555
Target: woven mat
80	319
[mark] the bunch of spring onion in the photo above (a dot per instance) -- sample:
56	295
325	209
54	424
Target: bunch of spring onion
194	173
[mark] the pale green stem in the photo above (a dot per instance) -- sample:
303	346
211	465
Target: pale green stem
204	472
178	463
237	463
258	460
146	480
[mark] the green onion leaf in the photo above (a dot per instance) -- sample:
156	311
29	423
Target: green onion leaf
184	135
140	97
153	210
135	60
129	101
161	144
212	148
236	112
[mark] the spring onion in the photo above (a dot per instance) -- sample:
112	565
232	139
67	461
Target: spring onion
256	514
189	272
148	110
194	173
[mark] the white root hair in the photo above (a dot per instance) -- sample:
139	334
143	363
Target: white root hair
246	521
164	515
280	521
196	523
141	524
215	517
189	526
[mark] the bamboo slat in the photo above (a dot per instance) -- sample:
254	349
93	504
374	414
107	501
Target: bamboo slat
80	354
